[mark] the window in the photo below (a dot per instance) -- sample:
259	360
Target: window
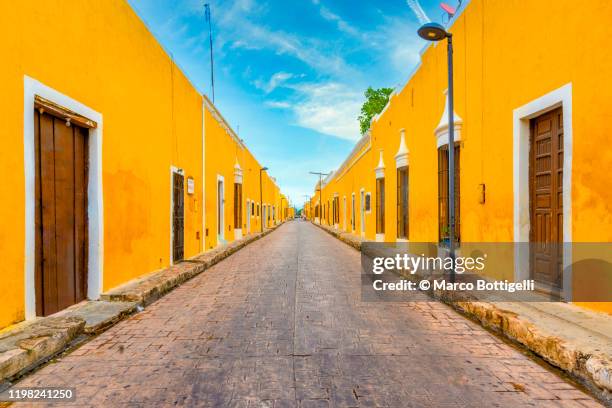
368	202
336	210
443	233
237	205
258	210
380	206
402	202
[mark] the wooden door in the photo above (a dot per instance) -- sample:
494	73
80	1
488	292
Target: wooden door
546	198
178	217
61	213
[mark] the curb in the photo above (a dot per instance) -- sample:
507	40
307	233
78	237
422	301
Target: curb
592	370
31	344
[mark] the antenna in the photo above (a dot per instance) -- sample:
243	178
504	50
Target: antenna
212	72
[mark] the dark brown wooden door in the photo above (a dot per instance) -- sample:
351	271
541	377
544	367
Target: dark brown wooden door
178	217
61	213
546	198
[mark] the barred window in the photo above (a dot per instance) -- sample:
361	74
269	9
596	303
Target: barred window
443	211
402	202
380	206
237	205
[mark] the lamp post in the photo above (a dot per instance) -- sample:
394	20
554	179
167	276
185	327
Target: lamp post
436	32
261	198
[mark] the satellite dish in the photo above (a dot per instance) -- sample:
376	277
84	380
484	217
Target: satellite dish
449	9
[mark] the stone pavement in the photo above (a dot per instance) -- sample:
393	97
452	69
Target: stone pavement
280	323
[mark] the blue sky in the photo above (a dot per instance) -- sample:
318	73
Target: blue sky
290	75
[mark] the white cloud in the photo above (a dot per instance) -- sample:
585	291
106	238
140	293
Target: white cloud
342	24
418	11
275	81
278	104
329	108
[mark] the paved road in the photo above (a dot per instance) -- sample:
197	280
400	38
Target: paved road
280	324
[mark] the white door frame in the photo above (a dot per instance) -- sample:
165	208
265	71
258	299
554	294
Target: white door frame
561	97
220	210
95	202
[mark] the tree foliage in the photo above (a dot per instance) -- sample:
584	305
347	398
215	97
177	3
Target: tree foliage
376	100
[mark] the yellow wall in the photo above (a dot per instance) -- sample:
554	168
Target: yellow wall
506	55
223	149
102	55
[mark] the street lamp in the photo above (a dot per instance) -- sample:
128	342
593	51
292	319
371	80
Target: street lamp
261	199
436	32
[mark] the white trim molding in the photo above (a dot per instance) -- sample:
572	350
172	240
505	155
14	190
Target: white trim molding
561	97
95	205
237	172
401	157
441	131
380	169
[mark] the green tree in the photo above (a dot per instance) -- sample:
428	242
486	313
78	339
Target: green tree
376	100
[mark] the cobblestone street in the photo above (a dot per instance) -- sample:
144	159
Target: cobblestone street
280	324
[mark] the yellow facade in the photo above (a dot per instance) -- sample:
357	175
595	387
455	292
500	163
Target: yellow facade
100	58
510	59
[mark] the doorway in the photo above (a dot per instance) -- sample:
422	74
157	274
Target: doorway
61	240
178	215
546	200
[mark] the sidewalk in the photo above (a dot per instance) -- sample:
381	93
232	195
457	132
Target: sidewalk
577	340
28	344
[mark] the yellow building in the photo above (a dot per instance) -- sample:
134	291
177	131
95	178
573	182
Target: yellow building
531	85
109	148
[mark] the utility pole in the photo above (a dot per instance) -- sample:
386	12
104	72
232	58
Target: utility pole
212	72
320	174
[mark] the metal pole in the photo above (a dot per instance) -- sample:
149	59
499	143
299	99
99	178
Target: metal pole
212	73
451	158
320	200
